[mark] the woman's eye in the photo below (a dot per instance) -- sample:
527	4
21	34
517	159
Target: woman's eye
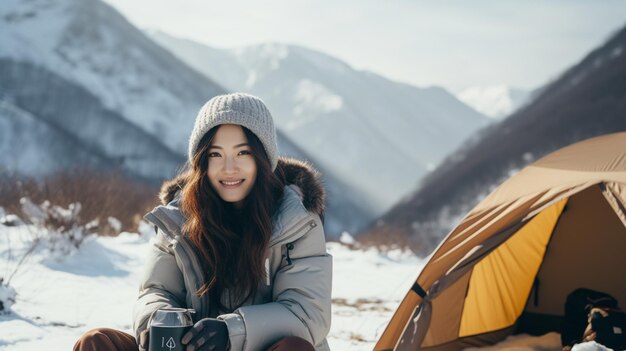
245	152
214	154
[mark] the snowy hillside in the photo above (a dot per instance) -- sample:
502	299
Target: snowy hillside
62	295
40	142
52	124
496	101
90	44
380	135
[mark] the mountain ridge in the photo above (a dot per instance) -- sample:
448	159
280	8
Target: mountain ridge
357	116
587	100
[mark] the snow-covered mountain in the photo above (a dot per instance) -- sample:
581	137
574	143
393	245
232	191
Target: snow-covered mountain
497	101
379	135
42	150
82	87
90	44
50	124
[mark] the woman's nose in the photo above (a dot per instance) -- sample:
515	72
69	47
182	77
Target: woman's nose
230	165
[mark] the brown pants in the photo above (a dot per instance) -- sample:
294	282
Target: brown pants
105	339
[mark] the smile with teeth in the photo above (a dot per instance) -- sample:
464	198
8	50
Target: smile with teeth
231	183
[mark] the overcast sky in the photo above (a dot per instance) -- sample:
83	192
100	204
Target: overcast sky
454	44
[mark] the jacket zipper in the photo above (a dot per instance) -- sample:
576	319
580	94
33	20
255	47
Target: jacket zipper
289	246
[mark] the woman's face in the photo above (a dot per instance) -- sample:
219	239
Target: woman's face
232	168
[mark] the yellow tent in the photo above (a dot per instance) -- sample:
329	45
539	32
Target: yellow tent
557	225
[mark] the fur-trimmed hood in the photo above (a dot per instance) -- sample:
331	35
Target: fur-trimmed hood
297	172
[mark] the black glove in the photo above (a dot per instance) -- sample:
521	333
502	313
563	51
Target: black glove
208	334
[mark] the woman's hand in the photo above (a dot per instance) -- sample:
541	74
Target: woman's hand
208	334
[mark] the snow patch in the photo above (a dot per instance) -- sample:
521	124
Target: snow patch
528	157
7	297
274	53
252	78
268	55
346	239
310	99
494	101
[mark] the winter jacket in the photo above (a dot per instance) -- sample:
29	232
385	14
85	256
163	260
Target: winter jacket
294	299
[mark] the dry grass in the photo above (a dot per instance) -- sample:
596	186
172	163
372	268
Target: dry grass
101	194
358	337
362	304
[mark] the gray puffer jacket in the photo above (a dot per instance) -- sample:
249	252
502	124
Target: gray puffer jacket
295	299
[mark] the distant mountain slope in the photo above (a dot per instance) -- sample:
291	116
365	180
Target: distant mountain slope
90	44
37	148
379	135
347	209
72	128
587	100
497	101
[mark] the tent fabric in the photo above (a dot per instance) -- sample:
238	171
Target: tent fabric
417	326
613	192
501	282
448	303
444	329
595	166
595	260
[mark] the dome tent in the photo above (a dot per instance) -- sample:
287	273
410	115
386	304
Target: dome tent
557	225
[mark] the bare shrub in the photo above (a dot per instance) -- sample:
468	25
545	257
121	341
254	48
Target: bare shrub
52	228
386	238
60	227
102	194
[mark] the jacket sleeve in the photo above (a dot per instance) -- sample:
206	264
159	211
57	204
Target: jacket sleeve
301	299
162	284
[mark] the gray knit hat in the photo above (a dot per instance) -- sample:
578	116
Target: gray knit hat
237	108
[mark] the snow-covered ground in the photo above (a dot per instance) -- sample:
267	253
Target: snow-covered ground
61	295
64	291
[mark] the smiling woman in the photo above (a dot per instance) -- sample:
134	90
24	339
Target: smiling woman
232	168
239	239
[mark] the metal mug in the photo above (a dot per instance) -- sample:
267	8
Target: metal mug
167	327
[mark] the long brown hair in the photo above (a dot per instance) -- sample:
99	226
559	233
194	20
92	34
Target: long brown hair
232	243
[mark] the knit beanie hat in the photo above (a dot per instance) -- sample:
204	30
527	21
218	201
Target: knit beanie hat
237	108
